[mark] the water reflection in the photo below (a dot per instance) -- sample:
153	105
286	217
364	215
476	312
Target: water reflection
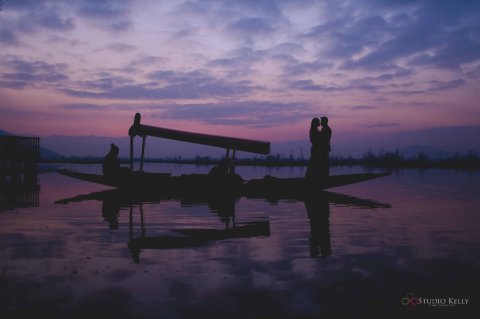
224	207
111	209
191	237
19	189
318	210
317	206
64	261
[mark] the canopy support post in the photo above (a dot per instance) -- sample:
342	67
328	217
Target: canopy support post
232	166
143	153
227	161
131	153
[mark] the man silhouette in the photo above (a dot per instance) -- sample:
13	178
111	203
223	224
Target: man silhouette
324	145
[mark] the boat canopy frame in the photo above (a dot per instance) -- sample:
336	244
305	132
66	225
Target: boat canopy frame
228	143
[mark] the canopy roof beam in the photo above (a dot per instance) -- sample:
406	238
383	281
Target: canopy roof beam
239	144
228	143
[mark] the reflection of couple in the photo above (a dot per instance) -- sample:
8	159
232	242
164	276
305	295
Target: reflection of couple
318	166
318	211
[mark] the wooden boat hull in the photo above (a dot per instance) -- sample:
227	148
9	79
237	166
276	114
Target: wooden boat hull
271	187
233	185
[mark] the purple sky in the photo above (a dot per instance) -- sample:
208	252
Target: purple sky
251	68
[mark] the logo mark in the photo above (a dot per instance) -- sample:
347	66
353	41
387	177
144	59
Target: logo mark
410	300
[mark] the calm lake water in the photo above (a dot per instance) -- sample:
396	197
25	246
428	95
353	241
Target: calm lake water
417	238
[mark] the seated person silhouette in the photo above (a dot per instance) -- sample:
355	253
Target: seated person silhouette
224	171
219	170
111	164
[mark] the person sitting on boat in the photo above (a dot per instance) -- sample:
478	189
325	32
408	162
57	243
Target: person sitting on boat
111	163
224	171
219	170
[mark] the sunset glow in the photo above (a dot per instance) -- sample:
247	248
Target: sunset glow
257	69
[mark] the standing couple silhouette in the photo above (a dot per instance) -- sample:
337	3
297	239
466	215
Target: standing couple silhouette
319	167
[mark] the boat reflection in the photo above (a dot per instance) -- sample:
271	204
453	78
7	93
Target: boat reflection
224	207
191	237
317	207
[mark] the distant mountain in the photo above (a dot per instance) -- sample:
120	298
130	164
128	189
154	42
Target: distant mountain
433	142
451	138
98	146
46	153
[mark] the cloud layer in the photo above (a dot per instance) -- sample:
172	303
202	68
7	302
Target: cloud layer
262	64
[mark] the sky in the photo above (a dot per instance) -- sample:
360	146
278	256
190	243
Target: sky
257	69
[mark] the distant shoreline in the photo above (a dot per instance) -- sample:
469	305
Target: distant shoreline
469	161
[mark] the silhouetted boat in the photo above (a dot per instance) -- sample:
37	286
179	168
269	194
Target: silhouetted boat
222	179
221	204
233	184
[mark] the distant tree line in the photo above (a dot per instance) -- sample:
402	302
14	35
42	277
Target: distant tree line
469	160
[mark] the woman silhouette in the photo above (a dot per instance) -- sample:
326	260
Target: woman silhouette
314	165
